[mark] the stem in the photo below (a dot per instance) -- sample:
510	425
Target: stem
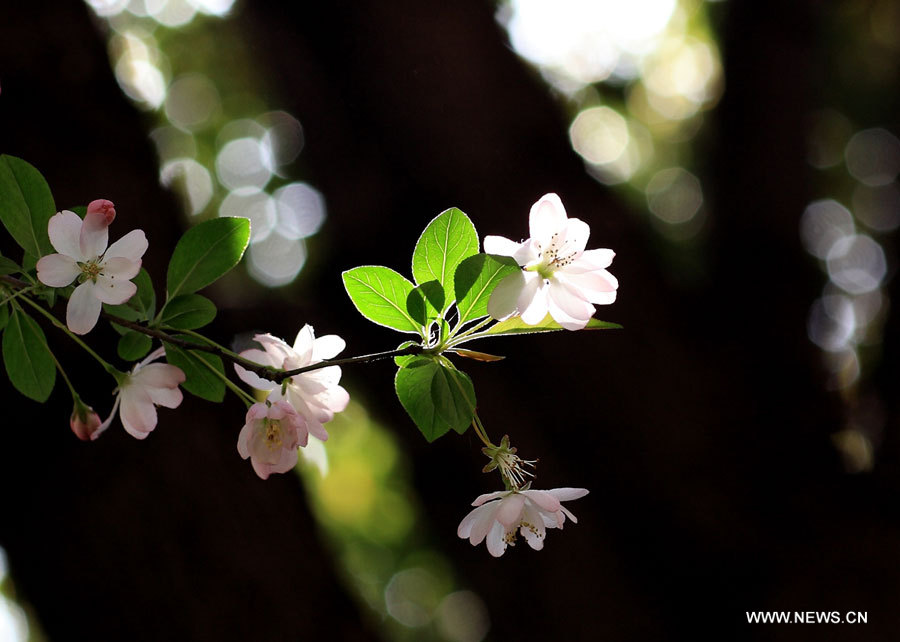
114	372
470	334
223	351
366	358
64	376
16	294
475	327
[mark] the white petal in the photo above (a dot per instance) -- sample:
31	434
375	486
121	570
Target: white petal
131	246
465	526
166	397
568	494
327	347
565	511
496	541
64	229
523	253
113	291
254	380
94	234
546	500
591	260
137	412
567	308
510	511
303	344
535	538
547	217
83	309
483	523
576	234
278	350
596	287
57	270
159	375
505	296
533	301
121	268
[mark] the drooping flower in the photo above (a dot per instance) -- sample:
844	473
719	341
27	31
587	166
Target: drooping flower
271	436
84	422
499	516
558	275
315	395
147	385
103	273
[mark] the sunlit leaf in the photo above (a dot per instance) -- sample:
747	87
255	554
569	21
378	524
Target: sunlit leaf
425	302
29	363
515	325
475	280
205	253
26	205
448	239
380	295
436	397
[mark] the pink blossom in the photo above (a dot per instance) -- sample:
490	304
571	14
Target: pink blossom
103	273
499	516
315	395
84	422
558	275
271	436
148	385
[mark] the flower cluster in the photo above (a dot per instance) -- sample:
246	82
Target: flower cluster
294	408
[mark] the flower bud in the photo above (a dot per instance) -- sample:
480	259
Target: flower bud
104	207
84	421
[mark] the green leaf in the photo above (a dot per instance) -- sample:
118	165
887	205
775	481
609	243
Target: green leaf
26	205
475	280
426	302
134	345
515	325
142	305
446	241
437	398
206	252
8	266
380	295
189	312
200	380
4	315
29	362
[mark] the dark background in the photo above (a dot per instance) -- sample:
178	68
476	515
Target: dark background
703	430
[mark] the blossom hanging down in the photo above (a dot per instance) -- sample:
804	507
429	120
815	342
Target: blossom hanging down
103	273
558	275
148	385
500	515
271	436
315	395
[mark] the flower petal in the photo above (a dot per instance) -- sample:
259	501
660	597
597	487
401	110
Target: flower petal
546	500
568	494
523	252
94	235
505	296
83	309
131	246
532	528
137	412
166	397
510	511
496	540
57	270
567	308
576	235
464	530
485	521
112	290
532	302
121	268
591	260
64	229
547	217
597	287
303	345
486	497
327	347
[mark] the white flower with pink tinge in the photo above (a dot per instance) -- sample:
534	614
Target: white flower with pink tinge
148	385
103	273
558	275
315	395
500	515
271	436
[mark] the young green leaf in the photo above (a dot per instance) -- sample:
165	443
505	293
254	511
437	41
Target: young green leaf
436	397
206	252
189	312
139	307
426	302
380	295
4	315
475	279
29	363
26	205
446	241
515	325
8	266
200	380
406	358
134	345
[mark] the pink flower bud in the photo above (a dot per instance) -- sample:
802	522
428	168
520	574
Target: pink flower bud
84	422
104	207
